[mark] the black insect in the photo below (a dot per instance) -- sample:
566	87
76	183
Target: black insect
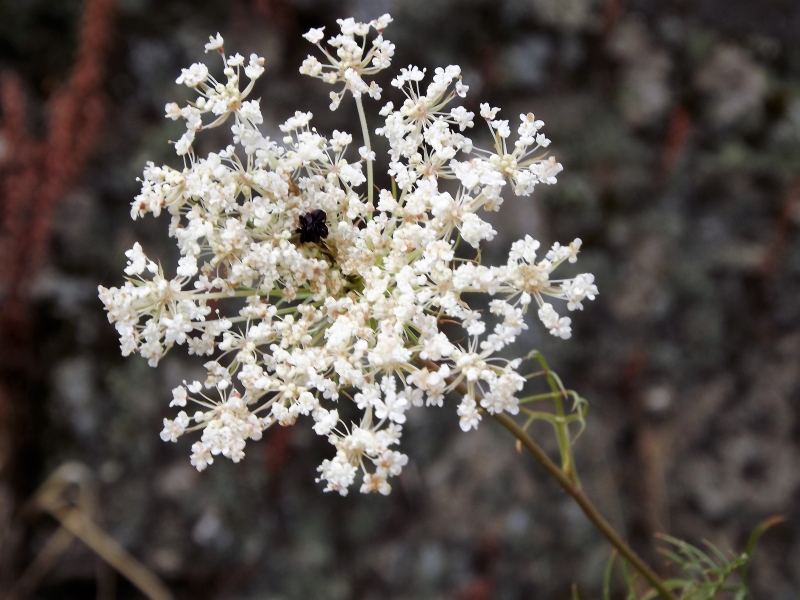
312	226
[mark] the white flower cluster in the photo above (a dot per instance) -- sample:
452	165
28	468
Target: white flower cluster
351	64
330	297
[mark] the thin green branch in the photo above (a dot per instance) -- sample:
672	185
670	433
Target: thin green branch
365	131
562	431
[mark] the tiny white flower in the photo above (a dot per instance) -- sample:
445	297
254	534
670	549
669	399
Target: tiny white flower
136	260
237	60
179	396
215	43
187	266
368	155
314	35
173	111
381	22
487	112
194	75
311	66
251	111
254	68
184	144
468	411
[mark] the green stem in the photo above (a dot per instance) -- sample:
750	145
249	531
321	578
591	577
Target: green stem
586	505
214	295
365	131
574	490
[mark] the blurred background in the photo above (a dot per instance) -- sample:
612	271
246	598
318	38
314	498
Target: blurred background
678	125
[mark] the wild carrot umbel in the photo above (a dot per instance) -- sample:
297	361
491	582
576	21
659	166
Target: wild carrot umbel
340	295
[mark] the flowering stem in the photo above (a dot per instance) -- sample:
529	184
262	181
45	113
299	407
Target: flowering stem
365	132
585	504
568	482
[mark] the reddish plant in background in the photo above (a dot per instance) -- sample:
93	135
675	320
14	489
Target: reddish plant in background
35	175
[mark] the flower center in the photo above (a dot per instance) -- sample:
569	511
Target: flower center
508	164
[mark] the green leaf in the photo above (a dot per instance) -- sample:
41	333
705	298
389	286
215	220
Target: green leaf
751	543
607	578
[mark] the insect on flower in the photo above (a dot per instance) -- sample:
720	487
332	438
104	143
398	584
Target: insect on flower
312	226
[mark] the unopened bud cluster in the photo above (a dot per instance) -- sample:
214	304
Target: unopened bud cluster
321	294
